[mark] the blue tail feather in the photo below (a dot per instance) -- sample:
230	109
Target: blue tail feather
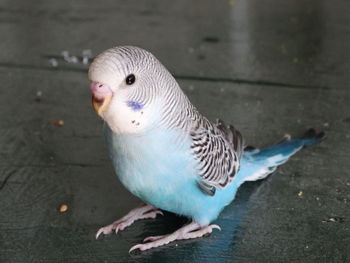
263	162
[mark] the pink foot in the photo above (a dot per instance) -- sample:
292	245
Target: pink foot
192	230
143	212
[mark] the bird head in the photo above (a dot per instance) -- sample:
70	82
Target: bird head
130	88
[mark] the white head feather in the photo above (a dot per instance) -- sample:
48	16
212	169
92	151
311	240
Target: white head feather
137	107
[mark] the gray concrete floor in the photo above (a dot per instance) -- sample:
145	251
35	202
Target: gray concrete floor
269	67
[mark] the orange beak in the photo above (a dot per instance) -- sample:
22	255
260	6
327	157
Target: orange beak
100	105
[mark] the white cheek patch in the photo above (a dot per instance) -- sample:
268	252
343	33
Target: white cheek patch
128	117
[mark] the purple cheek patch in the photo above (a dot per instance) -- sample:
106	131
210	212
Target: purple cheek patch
134	105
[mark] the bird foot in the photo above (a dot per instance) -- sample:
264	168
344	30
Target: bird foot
143	212
192	230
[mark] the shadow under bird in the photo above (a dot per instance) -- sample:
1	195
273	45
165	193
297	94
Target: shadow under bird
168	154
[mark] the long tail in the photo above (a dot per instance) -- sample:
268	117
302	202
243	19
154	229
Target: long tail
257	164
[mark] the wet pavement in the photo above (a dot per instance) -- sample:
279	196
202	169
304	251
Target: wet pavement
267	67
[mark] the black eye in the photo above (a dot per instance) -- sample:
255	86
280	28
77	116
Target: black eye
130	79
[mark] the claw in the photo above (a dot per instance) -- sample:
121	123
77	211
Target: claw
138	246
216	227
98	233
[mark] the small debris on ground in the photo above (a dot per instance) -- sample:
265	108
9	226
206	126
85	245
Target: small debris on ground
38	95
87	55
300	193
211	39
58	122
73	59
53	62
65	55
68	58
63	208
334	219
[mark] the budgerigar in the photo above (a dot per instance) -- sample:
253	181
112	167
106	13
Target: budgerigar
168	154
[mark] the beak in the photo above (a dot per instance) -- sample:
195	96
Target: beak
101	97
100	105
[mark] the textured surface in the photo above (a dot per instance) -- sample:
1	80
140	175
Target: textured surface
268	68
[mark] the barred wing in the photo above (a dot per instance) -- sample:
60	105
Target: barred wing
218	149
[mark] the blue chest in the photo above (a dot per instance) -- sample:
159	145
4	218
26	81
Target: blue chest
159	168
155	166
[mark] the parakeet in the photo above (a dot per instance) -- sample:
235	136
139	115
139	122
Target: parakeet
168	154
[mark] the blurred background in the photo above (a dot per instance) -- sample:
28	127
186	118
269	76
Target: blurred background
268	67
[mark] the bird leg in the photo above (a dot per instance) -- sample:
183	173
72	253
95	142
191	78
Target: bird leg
192	230
143	212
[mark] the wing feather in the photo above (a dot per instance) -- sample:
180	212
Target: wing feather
217	149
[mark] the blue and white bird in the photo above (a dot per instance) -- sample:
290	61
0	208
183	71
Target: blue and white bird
168	154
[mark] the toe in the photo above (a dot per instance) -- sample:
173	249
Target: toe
152	238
